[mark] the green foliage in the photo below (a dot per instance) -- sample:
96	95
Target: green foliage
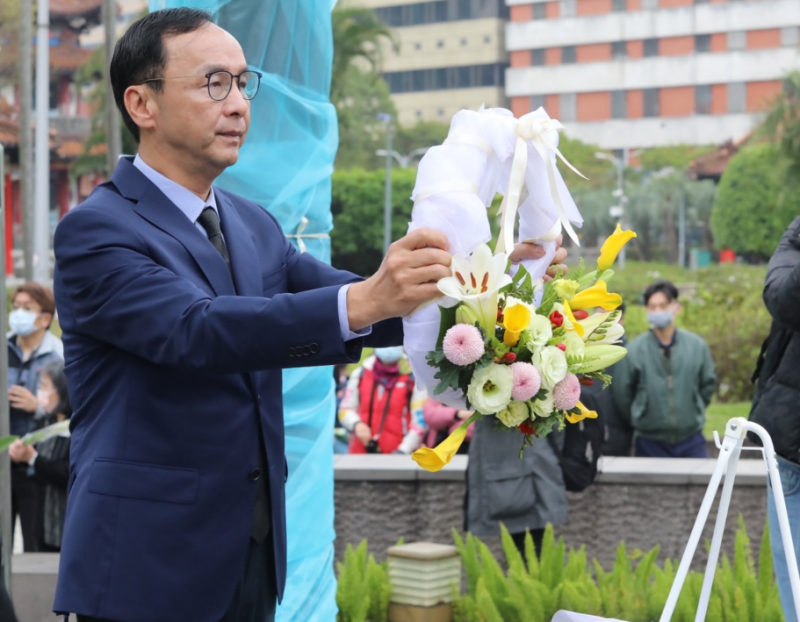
782	123
357	207
676	156
363	589
755	202
635	589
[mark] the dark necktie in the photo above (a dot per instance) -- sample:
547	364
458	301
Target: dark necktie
261	516
210	222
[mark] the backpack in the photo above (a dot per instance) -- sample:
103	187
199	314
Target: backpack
578	458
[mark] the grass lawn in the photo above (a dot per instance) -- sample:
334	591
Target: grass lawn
718	415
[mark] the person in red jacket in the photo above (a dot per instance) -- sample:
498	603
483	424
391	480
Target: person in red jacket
382	407
442	420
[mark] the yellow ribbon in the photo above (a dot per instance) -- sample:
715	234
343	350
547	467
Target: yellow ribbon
532	128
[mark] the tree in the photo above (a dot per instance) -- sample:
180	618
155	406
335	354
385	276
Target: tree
755	202
782	123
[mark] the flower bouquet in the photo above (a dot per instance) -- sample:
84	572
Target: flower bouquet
520	361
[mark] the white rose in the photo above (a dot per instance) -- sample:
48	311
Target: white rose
551	363
545	407
513	414
540	331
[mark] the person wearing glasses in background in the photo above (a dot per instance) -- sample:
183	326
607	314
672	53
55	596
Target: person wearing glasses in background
180	304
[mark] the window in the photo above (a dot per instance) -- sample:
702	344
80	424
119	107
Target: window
463	42
440	44
790	37
702	99
492	74
619	49
418	80
649	5
651	107
619	5
537	57
568	8
464	9
418	13
487	40
463	77
540	11
439	79
651	47
737	97
701	1
702	43
619	105
737	40
440	11
568	55
537	101
568	107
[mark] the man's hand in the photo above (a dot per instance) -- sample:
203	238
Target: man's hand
20	452
528	250
406	279
362	432
23	399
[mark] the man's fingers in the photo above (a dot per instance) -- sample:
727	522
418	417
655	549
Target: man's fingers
553	270
430	274
559	240
422	238
526	250
561	256
429	257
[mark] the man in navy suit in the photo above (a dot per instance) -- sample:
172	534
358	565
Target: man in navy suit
180	304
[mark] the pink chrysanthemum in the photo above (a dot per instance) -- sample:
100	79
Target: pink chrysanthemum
567	393
527	382
463	344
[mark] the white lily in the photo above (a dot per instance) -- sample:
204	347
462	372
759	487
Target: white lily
603	328
475	282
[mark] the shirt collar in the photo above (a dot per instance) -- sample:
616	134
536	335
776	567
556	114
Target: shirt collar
184	199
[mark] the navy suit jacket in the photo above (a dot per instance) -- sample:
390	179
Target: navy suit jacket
170	363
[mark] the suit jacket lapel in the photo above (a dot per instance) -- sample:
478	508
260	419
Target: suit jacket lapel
151	204
241	248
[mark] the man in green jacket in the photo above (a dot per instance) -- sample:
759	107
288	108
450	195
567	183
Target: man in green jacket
667	383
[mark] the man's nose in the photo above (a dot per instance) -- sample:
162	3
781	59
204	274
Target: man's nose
235	103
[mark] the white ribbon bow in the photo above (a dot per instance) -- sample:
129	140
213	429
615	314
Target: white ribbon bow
299	236
534	128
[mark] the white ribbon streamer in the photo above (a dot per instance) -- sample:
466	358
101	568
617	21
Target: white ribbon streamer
300	236
533	128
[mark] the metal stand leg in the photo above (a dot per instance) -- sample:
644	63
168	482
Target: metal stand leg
730	450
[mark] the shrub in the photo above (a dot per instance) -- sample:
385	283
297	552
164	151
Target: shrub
363	589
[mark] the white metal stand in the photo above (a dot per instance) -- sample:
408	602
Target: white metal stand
730	449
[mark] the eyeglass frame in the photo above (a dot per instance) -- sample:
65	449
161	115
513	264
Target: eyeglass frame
208	82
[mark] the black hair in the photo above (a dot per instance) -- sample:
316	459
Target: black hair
139	55
55	371
664	287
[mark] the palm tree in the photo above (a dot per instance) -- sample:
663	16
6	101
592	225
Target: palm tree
357	34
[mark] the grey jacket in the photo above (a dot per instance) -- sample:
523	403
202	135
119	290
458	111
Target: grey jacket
522	493
778	395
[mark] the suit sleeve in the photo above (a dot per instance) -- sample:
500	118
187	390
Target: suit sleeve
116	293
782	288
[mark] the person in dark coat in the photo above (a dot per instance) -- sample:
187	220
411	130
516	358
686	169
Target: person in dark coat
50	459
778	393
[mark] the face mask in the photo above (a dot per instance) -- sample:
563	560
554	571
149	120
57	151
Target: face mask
22	322
660	319
43	397
389	356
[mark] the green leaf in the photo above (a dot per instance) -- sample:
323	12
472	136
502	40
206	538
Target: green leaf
6	441
447	321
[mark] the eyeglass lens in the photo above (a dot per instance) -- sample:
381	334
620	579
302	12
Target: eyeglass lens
219	84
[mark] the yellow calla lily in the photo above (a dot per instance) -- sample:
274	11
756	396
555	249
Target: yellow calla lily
576	325
435	459
515	319
584	414
596	296
612	246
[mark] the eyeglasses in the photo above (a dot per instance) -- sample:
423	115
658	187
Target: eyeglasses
220	82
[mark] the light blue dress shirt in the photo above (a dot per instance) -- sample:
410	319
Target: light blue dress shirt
192	206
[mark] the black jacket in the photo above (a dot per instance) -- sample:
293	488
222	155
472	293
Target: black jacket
778	392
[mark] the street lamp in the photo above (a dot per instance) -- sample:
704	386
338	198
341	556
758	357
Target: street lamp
617	211
403	160
387	190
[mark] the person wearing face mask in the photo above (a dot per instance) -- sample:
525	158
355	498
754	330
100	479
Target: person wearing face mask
382	407
31	346
49	459
667	383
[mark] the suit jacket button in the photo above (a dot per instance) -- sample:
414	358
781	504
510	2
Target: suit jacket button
314	347
306	350
254	474
291	352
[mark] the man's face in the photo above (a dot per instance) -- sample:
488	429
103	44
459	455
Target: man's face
659	303
205	132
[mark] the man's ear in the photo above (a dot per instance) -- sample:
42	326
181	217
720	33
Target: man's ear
140	105
48	319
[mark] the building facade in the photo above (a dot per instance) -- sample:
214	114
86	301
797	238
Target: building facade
450	54
646	73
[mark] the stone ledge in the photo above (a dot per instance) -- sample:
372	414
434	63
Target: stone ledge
637	471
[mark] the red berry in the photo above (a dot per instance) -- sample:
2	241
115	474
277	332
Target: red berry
562	347
509	357
499	314
580	314
526	427
556	319
587	382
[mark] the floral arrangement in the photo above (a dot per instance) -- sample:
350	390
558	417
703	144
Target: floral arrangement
519	350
